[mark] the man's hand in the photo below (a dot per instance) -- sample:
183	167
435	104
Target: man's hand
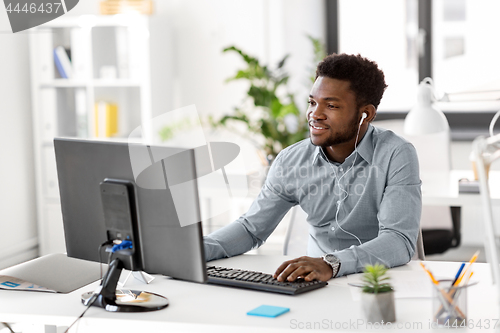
306	267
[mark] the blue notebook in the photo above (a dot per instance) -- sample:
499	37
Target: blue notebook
268	311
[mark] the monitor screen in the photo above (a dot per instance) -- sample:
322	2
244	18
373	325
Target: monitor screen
166	198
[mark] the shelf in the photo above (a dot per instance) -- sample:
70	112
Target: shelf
115	83
123	20
100	83
67	107
64	83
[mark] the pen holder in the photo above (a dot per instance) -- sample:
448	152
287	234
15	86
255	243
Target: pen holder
449	304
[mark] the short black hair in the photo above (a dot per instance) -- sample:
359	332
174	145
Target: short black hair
366	79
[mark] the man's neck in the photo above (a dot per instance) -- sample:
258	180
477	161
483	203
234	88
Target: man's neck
338	153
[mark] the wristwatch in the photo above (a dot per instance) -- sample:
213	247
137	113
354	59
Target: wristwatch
333	261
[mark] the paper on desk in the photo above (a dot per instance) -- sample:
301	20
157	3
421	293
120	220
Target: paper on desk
51	273
407	284
12	283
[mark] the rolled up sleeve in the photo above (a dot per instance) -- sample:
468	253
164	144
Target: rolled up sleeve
398	217
253	228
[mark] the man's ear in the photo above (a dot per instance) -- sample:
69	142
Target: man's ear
370	111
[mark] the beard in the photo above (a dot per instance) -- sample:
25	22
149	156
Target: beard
343	136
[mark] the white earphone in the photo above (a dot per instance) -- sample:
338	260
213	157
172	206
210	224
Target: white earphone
363	116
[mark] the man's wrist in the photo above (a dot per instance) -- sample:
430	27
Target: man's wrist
333	262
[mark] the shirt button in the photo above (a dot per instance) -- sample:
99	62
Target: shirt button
341	169
333	228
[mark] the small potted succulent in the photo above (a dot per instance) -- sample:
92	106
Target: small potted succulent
378	295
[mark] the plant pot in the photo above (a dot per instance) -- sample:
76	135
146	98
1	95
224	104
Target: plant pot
379	307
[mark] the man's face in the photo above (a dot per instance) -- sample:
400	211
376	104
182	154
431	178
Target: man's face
332	113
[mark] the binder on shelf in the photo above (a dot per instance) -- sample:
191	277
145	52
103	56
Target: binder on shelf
48	115
122	47
42	42
113	7
80	52
106	120
63	63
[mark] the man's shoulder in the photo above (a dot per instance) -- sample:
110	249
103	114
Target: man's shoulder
388	146
303	148
297	154
388	139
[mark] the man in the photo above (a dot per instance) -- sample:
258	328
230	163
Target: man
359	185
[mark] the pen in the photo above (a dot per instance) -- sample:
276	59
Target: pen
472	260
443	293
452	292
458	273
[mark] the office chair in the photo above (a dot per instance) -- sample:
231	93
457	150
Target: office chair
437	241
297	235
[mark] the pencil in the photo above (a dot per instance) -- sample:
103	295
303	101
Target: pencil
453	293
472	260
430	274
445	295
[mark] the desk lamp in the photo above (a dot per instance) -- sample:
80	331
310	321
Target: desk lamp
425	117
427	129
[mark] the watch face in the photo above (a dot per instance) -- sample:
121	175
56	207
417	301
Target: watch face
331	259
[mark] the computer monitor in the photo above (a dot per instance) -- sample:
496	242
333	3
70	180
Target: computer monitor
165	246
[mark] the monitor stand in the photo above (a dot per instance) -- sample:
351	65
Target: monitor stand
139	276
122	300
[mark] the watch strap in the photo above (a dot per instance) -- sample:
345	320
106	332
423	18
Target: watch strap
333	262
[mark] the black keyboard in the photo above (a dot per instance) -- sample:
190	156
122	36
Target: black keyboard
258	281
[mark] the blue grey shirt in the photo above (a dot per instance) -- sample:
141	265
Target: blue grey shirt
364	210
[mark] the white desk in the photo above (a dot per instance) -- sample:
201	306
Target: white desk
442	190
208	308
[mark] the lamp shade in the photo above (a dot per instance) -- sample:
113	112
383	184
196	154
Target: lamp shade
425	117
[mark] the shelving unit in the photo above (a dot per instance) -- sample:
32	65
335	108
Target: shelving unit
65	107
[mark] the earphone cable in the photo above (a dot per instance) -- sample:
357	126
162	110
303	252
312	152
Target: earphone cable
339	202
96	294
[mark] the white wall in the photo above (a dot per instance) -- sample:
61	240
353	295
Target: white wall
187	38
17	190
187	67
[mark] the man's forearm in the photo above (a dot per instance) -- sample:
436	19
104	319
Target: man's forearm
355	258
229	241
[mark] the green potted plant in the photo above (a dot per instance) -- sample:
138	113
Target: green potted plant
269	110
378	295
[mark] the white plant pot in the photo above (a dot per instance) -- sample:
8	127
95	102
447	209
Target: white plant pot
379	307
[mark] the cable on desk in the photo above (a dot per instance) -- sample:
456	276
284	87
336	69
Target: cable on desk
8	327
97	292
89	304
109	242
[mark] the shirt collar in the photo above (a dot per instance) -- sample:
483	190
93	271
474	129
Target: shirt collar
365	148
